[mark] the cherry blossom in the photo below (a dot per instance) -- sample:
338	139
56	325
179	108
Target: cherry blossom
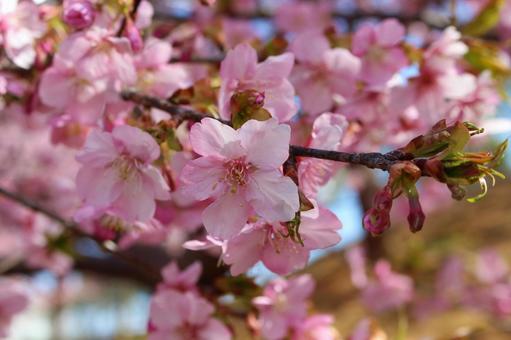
266	243
283	305
240	169
327	134
389	290
322	72
240	72
117	175
379	48
13	299
182	316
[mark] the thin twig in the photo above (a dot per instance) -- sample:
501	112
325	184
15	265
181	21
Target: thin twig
373	160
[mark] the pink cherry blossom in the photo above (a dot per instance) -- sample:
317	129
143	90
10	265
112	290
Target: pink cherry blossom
318	229
79	14
184	280
327	134
322	72
21	25
389	290
156	76
491	267
303	16
184	316
240	169
380	50
13	300
240	71
316	327
283	305
117	175
481	102
237	32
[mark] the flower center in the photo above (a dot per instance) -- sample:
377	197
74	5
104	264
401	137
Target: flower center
237	173
126	167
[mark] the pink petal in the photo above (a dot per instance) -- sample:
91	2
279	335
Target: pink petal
275	68
321	232
272	195
389	32
209	137
280	101
244	251
99	149
309	47
285	256
239	63
224	218
99	187
137	143
267	143
135	203
214	330
202	178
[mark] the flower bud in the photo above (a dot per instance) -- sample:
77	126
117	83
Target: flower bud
79	14
416	216
376	221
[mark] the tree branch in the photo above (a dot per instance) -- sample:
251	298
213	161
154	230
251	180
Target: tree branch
74	228
372	160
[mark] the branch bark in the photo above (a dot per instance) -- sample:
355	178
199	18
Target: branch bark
372	160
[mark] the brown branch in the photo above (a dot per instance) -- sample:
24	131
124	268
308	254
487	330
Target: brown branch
372	160
74	229
177	111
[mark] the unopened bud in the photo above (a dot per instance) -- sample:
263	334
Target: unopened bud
133	34
416	216
79	14
376	221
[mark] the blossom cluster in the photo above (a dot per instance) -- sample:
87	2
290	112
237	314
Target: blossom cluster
215	160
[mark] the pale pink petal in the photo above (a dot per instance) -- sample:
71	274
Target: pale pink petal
57	88
224	218
315	96
209	137
309	47
99	150
272	195
285	256
321	232
214	330
135	203
266	143
363	39
155	183
202	178
389	32
137	143
244	251
279	101
97	186
275	68
239	63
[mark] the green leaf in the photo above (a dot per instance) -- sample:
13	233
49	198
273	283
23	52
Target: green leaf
487	19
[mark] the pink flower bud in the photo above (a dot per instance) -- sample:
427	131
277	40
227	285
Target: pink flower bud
376	221
416	216
133	34
79	14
